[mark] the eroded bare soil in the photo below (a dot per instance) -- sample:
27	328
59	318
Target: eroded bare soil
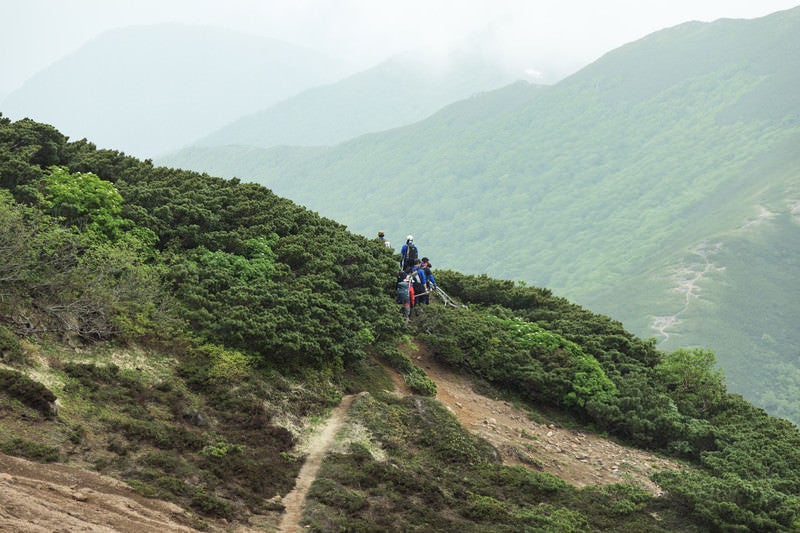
577	457
49	498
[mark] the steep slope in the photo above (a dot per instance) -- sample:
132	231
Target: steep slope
599	187
397	92
179	332
150	89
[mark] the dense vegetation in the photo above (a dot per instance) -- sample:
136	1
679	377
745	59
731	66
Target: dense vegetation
251	314
603	187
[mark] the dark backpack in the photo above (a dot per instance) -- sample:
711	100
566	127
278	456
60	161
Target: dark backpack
402	293
411	253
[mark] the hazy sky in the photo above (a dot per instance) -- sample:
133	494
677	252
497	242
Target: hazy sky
571	33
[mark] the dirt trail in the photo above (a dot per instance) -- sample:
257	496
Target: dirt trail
687	280
579	458
318	447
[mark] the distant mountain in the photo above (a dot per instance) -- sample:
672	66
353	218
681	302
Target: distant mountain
399	91
659	185
147	90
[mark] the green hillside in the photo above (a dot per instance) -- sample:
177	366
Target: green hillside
602	187
191	328
398	91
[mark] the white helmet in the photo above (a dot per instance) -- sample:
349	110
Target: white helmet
410	238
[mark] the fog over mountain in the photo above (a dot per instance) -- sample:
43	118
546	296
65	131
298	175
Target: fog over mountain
149	89
165	95
404	89
567	33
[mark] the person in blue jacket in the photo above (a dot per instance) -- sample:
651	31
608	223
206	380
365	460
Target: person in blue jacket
420	283
408	253
426	267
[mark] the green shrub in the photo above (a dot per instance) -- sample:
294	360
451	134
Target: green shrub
438	429
546	517
227	366
419	382
34	451
337	496
415	377
212	505
31	393
10	350
485	509
221	448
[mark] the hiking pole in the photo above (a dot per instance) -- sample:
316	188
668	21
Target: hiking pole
445	297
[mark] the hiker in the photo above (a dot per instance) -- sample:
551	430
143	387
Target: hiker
420	283
382	238
408	253
405	293
426	267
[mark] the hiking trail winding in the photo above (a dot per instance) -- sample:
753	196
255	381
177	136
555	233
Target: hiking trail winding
687	280
318	446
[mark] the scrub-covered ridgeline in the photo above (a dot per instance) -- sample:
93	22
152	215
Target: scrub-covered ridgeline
239	282
247	269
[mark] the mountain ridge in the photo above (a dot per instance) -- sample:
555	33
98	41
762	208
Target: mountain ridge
398	91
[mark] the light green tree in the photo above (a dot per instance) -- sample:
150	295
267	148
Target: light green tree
692	380
85	201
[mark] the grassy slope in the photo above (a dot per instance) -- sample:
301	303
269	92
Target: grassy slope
139	415
142	416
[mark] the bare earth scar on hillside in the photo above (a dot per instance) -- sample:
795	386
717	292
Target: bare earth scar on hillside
579	458
50	498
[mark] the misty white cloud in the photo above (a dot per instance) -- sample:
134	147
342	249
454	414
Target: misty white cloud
566	33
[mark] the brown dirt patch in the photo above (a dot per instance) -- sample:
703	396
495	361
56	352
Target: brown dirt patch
50	498
578	457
